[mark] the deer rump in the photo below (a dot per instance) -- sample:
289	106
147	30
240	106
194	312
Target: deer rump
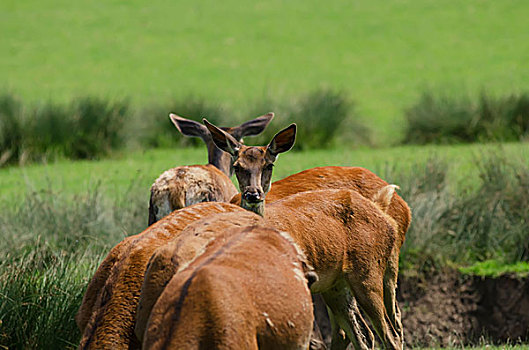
223	295
106	317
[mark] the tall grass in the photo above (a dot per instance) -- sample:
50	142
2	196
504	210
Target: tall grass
446	119
51	246
324	118
487	221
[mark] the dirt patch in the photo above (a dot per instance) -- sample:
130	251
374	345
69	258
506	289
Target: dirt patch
450	309
454	309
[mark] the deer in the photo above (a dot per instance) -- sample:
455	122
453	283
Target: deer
186	185
253	168
106	317
114	289
236	283
347	238
368	185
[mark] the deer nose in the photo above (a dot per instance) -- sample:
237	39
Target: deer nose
252	196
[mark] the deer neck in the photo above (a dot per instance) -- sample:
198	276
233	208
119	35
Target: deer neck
220	159
257	208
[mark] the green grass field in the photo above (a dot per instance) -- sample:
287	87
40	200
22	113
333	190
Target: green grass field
58	220
384	53
117	174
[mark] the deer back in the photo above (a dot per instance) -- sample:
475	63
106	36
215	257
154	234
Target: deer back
183	186
227	297
338	230
358	179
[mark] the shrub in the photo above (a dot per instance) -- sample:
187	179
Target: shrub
87	128
443	119
97	127
11	129
323	117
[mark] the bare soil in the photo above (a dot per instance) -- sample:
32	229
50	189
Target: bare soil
454	309
450	309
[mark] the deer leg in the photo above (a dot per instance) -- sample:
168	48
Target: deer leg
390	292
346	315
370	296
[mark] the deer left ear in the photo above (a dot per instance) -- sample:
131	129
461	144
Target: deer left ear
283	141
222	139
252	127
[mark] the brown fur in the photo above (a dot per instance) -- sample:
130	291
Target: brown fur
168	258
106	316
224	296
349	241
253	167
368	185
347	238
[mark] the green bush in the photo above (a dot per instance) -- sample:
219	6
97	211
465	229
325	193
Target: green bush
324	117
11	129
87	128
444	119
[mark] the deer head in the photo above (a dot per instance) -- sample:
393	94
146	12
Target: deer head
217	157
253	164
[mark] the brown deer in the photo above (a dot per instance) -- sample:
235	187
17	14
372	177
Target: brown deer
368	185
186	185
238	284
347	237
254	173
107	313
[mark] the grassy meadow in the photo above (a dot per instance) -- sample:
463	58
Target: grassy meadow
383	53
58	221
385	65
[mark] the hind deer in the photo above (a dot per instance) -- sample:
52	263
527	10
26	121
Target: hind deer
186	185
238	284
253	168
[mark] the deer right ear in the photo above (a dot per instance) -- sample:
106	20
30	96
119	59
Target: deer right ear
283	141
189	127
222	139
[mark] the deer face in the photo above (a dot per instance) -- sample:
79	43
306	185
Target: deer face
253	165
216	156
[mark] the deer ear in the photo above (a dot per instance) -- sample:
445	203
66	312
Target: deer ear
189	127
283	141
252	127
222	139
